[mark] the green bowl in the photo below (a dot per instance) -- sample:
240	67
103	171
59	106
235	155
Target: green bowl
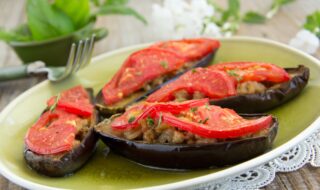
55	51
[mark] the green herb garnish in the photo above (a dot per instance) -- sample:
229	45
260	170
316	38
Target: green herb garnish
54	105
194	109
207	107
131	119
150	121
234	74
204	121
193	70
164	64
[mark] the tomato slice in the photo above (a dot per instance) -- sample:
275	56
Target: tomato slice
134	114
76	100
253	71
219	123
52	133
204	120
213	84
139	69
191	49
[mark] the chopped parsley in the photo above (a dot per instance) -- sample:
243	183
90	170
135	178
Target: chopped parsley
194	109
207	107
204	121
131	119
193	70
150	121
54	105
234	74
164	64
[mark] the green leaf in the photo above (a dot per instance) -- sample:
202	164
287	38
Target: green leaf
122	10
46	21
77	10
10	36
116	2
313	23
253	17
276	5
234	8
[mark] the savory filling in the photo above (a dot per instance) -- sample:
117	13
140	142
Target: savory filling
82	126
249	87
162	79
154	131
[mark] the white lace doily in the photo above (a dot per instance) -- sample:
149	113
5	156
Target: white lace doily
307	151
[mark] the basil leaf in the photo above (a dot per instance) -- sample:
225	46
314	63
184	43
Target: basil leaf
77	10
116	2
13	36
253	17
46	21
120	9
313	23
234	8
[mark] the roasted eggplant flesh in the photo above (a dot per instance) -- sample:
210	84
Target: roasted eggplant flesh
108	110
272	96
65	163
190	155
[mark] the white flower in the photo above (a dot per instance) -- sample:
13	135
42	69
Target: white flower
212	30
176	19
305	41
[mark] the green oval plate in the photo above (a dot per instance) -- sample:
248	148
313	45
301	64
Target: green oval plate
297	120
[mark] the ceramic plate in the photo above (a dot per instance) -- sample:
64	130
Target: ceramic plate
297	120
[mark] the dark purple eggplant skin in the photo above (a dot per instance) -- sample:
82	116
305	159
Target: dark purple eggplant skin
197	156
271	98
106	111
65	163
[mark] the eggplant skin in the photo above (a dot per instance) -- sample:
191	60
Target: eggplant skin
271	98
197	156
106	112
65	163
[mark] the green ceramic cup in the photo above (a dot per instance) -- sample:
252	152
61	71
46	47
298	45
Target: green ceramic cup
55	51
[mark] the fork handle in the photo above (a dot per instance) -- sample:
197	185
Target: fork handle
18	72
13	72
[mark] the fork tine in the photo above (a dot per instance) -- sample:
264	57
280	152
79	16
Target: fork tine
78	57
69	63
89	52
83	56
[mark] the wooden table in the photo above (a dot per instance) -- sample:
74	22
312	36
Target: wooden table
125	31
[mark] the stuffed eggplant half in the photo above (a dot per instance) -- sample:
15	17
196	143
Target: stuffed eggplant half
146	70
187	135
63	138
246	87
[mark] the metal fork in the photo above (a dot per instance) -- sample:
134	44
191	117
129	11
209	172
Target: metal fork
79	57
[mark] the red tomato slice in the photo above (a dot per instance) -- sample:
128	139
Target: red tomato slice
75	100
133	115
213	84
140	68
191	49
52	133
253	71
219	123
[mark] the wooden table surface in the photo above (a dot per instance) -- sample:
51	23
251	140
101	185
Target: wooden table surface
126	31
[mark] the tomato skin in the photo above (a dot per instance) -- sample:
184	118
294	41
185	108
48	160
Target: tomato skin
140	68
52	133
191	49
206	121
75	100
142	111
254	71
214	84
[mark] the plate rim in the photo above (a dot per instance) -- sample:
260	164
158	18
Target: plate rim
193	181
